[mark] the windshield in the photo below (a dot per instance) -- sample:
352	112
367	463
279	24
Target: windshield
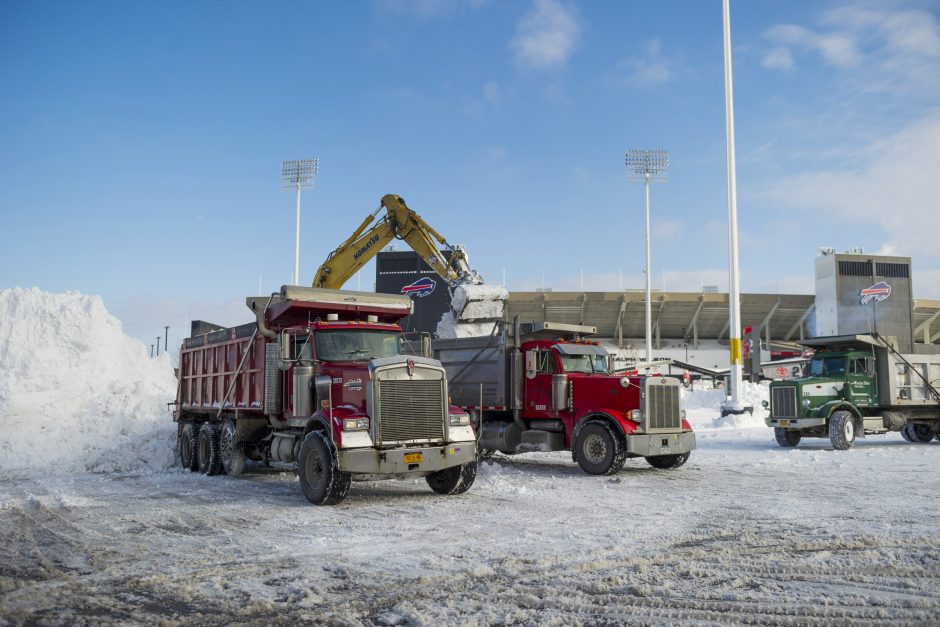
584	363
827	366
355	345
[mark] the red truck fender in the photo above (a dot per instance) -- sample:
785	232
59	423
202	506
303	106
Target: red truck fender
617	419
320	421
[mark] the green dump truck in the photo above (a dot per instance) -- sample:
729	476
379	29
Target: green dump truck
858	385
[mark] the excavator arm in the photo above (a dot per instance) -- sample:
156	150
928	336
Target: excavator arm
372	235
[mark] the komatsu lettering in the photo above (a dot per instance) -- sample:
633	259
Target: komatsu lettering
372	241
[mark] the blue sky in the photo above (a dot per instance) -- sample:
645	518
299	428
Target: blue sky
140	144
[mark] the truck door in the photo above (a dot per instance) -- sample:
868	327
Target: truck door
540	366
861	381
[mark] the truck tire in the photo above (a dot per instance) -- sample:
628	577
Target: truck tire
842	430
598	450
207	450
232	452
918	433
186	439
787	438
321	481
665	462
454	480
906	435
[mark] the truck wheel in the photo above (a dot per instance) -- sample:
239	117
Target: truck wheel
918	433
187	446
232	452
787	438
905	434
454	480
321	481
664	462
842	430
598	450
207	450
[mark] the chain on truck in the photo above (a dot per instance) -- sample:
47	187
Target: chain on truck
541	386
318	380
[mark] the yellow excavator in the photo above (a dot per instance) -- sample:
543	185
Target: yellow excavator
471	300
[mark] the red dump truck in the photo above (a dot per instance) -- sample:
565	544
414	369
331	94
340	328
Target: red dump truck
319	380
542	386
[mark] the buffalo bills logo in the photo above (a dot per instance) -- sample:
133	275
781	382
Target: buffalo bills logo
420	288
875	294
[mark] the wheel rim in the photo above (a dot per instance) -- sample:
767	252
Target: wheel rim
227	446
595	449
849	430
314	471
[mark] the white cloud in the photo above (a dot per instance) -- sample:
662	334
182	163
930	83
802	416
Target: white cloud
836	48
895	189
546	36
648	68
896	49
778	59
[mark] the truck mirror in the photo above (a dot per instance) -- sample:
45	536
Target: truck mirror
530	364
283	345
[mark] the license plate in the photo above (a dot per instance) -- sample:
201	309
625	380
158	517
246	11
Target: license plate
414	458
784	423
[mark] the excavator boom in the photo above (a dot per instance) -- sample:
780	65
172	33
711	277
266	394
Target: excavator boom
372	236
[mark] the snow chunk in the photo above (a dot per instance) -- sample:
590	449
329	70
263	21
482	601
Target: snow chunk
76	394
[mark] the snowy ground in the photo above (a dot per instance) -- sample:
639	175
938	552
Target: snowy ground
746	532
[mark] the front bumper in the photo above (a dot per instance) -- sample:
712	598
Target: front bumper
795	423
660	444
392	461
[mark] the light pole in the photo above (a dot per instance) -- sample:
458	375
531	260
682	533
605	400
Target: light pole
734	406
298	174
648	166
166	337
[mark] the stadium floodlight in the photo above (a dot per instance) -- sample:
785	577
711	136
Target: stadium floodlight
297	175
648	166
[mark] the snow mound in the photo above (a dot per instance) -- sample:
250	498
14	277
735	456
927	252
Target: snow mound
76	394
703	408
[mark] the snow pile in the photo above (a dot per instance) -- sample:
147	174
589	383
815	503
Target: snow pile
76	394
703	408
474	308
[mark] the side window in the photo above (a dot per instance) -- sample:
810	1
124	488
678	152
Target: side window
546	361
860	366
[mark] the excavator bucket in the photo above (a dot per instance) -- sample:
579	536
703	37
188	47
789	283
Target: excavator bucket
478	303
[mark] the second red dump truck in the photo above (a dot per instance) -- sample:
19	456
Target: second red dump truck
319	380
540	386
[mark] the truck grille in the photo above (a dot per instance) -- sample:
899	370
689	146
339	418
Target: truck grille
783	402
662	413
410	410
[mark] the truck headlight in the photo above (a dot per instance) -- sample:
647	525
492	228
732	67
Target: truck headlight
805	402
459	420
636	415
682	414
765	404
355	424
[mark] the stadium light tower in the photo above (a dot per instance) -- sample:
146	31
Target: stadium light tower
298	174
648	166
